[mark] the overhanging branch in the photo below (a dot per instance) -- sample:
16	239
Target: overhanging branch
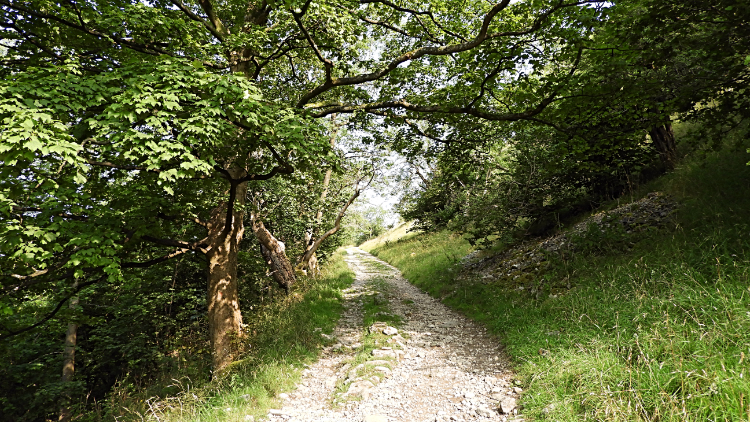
480	38
155	261
54	312
405	105
146	48
373	107
193	246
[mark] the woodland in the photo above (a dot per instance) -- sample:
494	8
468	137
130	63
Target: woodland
169	166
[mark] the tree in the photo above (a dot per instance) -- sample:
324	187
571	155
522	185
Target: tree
644	64
106	189
651	62
156	115
307	259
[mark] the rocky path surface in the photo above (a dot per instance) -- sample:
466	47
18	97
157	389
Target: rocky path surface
438	367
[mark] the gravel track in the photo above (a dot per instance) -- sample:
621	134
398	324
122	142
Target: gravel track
450	368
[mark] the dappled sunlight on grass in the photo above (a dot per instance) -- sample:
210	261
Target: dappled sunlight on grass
426	260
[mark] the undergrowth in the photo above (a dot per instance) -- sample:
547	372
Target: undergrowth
657	331
284	337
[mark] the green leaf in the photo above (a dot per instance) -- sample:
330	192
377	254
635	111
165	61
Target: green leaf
79	178
33	144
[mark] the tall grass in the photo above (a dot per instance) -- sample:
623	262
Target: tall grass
426	260
284	337
657	333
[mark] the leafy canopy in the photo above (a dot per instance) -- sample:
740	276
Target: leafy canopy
91	161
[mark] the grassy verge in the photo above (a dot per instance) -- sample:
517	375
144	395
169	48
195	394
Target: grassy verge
660	332
426	260
285	337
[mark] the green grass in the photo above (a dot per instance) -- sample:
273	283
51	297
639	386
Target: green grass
375	307
657	333
400	232
285	337
427	260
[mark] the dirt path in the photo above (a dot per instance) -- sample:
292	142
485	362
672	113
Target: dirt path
442	367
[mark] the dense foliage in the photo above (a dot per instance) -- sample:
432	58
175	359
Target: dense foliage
644	66
625	326
149	149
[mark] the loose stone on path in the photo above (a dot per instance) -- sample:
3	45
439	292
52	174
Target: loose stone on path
448	368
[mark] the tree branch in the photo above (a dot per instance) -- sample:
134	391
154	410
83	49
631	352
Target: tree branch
154	261
143	48
412	12
386	25
194	219
411	55
416	14
326	63
208	8
146	48
78	12
488	77
21	210
469	110
336	226
413	125
29	282
120	166
233	183
197	18
31	40
481	37
193	246
36	273
405	105
419	173
283	168
57	308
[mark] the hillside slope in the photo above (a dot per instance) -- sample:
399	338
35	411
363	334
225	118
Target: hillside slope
619	324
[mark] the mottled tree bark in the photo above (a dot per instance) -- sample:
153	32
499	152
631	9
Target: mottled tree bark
312	263
663	138
225	231
226	227
274	253
308	261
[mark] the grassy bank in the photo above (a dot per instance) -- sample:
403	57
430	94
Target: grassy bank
658	331
284	337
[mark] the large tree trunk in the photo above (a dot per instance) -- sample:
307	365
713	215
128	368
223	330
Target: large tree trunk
225	232
69	364
664	142
274	252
